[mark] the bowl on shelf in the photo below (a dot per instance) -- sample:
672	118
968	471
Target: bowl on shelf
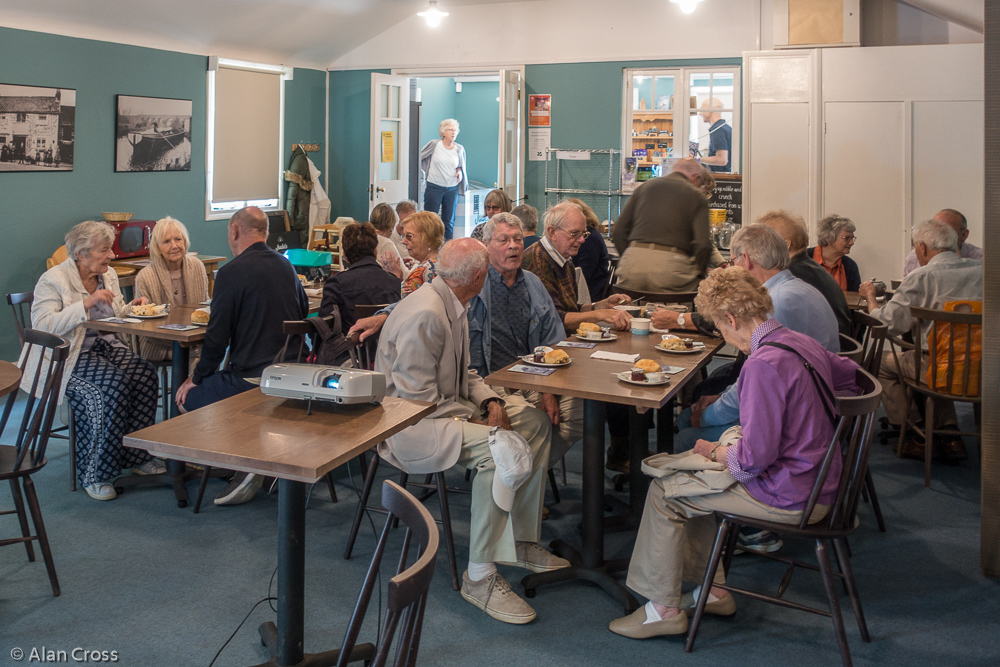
117	217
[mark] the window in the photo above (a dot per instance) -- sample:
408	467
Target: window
42	117
245	121
675	113
22	118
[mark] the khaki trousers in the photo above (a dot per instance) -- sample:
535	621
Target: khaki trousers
894	391
492	531
570	428
648	270
676	536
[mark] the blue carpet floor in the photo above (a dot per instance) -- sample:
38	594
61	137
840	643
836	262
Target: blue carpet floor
162	586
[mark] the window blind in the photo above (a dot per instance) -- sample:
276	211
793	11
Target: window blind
247	150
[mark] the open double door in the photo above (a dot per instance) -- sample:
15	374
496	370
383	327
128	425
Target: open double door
390	143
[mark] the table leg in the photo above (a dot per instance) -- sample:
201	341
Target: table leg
590	564
665	428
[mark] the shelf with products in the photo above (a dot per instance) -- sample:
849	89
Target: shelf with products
586	175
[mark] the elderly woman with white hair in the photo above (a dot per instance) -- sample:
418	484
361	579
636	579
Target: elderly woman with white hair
172	277
834	239
111	390
443	162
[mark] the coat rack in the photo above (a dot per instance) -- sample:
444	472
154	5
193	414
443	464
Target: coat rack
308	148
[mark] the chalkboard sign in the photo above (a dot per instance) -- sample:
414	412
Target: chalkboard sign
728	194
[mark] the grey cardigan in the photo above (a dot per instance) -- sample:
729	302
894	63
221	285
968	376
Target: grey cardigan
427	152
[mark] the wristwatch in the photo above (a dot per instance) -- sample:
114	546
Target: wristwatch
712	455
680	319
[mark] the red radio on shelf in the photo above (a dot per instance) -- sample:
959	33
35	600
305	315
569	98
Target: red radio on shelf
132	237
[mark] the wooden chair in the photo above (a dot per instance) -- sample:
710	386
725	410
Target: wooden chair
960	382
656	297
362	310
854	426
851	349
58	257
327	238
871	332
20	304
406	597
20	461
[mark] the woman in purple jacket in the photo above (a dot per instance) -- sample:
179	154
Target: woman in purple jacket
787	425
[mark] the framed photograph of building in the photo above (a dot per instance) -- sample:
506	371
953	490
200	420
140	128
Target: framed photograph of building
153	134
36	128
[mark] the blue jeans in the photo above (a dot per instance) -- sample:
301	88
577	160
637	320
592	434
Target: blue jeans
689	435
214	388
442	200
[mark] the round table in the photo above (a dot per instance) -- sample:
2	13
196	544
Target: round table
10	377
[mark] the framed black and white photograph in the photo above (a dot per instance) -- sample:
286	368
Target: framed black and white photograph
36	128
153	134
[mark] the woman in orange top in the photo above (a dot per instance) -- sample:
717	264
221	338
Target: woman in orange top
835	237
423	235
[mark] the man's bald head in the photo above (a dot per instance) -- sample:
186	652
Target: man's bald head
463	262
712	103
251	221
690	169
790	227
956	221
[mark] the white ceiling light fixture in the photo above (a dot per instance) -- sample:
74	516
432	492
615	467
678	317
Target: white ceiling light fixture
687	6
433	15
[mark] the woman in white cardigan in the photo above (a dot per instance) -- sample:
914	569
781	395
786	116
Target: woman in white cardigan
172	277
111	390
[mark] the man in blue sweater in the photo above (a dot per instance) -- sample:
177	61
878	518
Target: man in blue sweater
254	294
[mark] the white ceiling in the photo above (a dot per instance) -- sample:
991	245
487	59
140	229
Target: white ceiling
308	33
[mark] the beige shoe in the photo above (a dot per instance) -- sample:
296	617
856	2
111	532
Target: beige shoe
718	607
532	557
495	596
634	625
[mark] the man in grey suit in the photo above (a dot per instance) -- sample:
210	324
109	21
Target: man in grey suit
424	354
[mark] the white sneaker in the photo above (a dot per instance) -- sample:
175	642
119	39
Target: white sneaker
150	467
101	491
241	489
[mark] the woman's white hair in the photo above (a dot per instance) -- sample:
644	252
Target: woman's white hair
87	235
461	260
159	233
763	245
829	228
936	235
447	122
501	218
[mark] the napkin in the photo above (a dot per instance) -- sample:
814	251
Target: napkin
616	356
314	292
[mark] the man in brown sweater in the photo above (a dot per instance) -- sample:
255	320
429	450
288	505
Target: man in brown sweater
663	233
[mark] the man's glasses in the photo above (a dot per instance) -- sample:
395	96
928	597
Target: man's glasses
574	235
503	239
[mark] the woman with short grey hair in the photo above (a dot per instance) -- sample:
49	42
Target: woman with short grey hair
443	163
834	239
110	390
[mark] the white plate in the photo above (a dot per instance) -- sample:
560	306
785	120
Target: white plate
626	376
597	340
199	324
694	350
149	317
206	302
530	359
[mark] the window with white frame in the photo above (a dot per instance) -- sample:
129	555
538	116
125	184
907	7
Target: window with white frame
244	137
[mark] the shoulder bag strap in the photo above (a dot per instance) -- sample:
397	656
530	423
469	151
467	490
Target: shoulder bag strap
822	388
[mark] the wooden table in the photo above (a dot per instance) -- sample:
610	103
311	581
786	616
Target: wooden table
264	435
592	380
10	377
211	263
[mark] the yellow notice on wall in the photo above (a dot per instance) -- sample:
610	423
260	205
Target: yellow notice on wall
387	147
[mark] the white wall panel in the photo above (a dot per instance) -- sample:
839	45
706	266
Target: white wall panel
779	159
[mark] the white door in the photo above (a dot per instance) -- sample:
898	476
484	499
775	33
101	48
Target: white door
389	139
509	167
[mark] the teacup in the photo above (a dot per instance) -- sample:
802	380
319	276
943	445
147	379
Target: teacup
640	326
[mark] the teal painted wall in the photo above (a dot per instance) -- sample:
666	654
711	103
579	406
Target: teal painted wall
37	209
437	102
477	109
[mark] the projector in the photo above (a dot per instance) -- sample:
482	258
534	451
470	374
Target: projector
323	383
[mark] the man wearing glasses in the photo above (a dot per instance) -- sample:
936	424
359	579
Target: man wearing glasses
663	234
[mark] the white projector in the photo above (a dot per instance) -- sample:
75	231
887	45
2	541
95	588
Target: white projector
323	383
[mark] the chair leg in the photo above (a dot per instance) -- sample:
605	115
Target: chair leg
906	421
201	488
562	466
362	504
22	516
873	497
72	451
43	538
727	559
329	485
722	537
823	557
839	548
552	483
403	479
165	382
446	524
928	441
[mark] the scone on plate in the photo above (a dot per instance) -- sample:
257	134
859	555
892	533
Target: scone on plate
556	357
200	316
648	366
147	310
673	344
587	326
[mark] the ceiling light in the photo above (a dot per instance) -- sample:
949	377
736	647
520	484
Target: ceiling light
687	6
433	15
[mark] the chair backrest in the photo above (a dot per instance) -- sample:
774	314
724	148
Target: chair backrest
851	349
58	257
406	598
20	303
955	346
42	401
851	440
363	353
302	336
362	311
656	297
871	332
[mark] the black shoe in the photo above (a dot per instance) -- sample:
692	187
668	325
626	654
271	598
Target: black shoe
760	541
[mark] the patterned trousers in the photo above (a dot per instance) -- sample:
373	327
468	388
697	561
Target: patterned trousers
112	392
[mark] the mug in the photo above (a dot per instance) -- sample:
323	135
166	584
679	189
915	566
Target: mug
716	216
640	326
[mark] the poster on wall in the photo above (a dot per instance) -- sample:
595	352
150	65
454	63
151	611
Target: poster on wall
153	134
539	111
539	139
36	128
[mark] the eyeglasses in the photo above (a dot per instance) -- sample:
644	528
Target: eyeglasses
503	239
411	237
850	238
490	207
574	235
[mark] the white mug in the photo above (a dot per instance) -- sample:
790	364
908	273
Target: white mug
640	326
